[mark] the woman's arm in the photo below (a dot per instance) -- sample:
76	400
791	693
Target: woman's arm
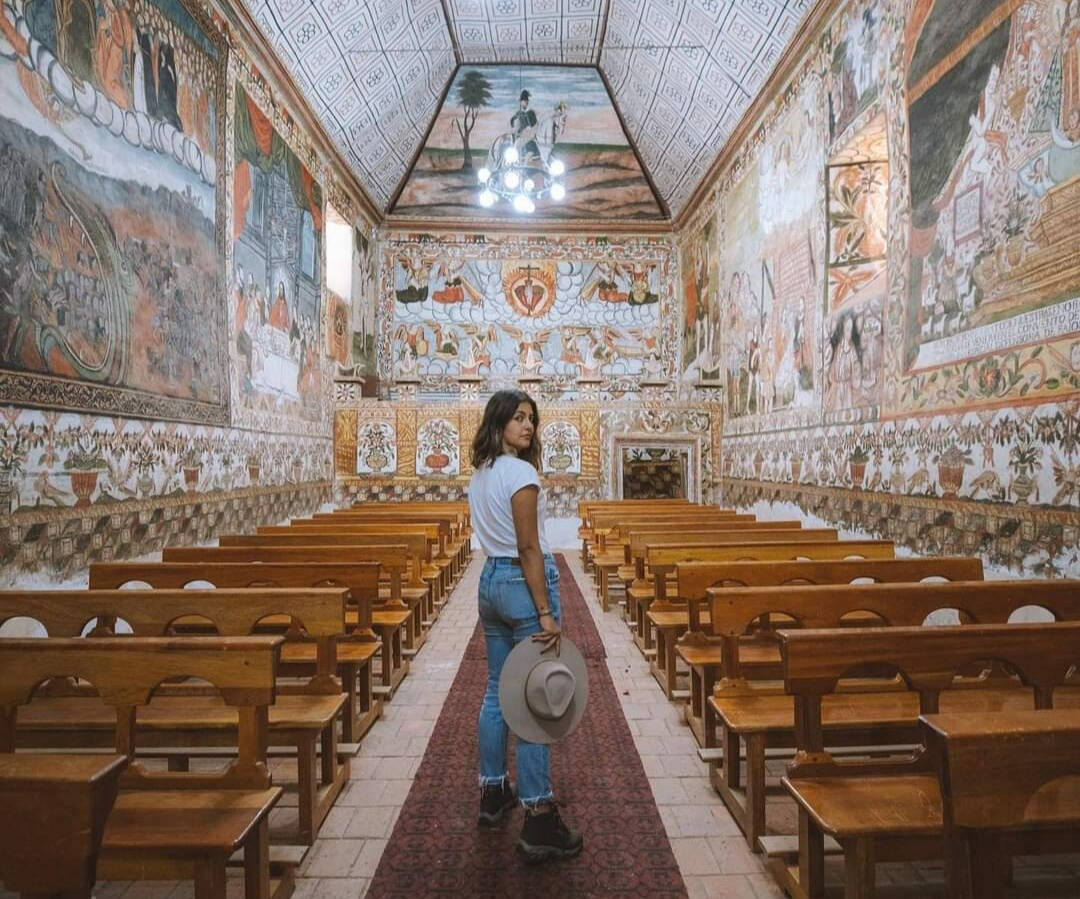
523	506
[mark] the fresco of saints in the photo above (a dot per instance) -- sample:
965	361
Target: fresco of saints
457	286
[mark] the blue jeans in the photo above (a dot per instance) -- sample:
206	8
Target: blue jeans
509	616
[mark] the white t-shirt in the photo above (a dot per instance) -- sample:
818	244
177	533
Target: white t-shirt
489	505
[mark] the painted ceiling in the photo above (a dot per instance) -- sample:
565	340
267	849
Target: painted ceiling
680	72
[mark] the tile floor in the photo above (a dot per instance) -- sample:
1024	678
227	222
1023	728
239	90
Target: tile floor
708	846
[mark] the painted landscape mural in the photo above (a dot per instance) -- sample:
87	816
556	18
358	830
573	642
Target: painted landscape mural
945	320
546	113
277	270
110	257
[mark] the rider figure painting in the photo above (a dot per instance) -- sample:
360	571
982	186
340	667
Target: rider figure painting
523	125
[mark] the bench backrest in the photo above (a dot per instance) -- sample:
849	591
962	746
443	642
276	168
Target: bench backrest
315	613
928	659
394	560
125	671
418	544
384	529
361	579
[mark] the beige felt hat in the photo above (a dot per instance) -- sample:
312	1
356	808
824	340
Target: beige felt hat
543	695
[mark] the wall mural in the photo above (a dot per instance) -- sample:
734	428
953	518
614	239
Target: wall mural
556	309
364	302
405	450
546	112
110	208
771	276
277	270
949	285
701	345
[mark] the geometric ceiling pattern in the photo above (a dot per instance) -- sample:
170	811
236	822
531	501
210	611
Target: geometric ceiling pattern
682	72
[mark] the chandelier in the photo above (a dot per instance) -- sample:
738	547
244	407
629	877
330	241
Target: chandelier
521	182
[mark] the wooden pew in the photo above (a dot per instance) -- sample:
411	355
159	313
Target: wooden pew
762	717
1007	771
703	653
458	546
609	533
167	825
394	561
438	567
612	553
367	615
640	593
303	714
879	809
422	572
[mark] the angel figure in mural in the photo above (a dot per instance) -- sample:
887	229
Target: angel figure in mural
447	343
457	286
477	352
530	347
417	271
602	283
639	274
414	344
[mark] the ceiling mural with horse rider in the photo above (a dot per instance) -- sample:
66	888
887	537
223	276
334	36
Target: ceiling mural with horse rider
558	119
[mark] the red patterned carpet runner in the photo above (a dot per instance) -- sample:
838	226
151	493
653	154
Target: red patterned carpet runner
436	848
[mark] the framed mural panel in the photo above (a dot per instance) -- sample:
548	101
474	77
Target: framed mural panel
277	259
111	208
991	311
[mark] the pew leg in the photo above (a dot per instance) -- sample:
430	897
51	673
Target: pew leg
257	861
732	773
754	816
308	784
670	659
976	867
859	868
693	706
352	707
210	878
811	856
328	753
708	716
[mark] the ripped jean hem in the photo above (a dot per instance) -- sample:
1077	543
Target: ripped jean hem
532	804
494	781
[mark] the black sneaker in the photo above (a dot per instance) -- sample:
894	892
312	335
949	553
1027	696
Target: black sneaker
495	801
544	836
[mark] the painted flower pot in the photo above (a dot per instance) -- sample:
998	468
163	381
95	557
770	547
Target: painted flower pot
950	477
1014	249
560	461
376	460
82	485
297	472
858	472
759	461
191	477
796	470
253	474
436	461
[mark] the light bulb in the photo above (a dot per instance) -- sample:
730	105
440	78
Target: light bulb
511	179
487	198
484	174
530	206
529	185
556	167
511	155
557	191
521	203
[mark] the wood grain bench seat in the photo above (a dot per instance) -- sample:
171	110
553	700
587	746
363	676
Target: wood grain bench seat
304	714
703	653
886	809
755	711
168	825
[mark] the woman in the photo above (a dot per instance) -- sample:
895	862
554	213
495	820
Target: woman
518	600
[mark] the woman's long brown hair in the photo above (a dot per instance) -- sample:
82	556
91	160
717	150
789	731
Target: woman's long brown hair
487	445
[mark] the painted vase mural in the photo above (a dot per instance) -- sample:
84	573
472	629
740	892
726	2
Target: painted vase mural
437	450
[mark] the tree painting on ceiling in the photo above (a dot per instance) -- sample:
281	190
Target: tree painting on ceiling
994	110
561	112
277	269
110	256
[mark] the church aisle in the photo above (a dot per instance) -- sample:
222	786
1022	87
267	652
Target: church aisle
436	847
